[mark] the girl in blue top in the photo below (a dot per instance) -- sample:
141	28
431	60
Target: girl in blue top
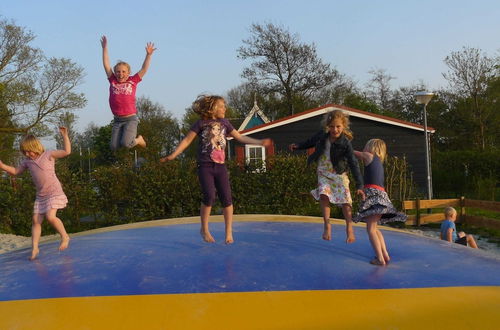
449	230
376	207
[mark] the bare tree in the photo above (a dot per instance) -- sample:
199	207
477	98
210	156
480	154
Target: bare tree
284	65
379	88
34	89
470	72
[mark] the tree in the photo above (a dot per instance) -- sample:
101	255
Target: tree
469	75
402	104
34	89
284	65
378	88
68	120
159	127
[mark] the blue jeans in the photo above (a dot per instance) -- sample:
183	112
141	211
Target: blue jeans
124	132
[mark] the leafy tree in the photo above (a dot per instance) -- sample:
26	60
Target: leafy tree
402	104
469	75
159	127
34	89
284	65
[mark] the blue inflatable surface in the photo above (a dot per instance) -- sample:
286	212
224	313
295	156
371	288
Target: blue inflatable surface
267	256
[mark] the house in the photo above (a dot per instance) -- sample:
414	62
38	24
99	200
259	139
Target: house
403	139
254	118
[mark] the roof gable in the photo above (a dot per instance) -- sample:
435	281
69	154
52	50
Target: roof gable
254	118
328	108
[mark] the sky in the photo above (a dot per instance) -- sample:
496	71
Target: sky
197	40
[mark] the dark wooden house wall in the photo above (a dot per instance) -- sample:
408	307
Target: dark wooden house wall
401	141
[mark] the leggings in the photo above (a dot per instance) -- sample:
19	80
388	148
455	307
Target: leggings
214	177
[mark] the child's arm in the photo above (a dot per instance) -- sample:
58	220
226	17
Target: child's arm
181	147
311	142
150	48
105	57
356	173
449	235
248	140
66	143
364	156
10	169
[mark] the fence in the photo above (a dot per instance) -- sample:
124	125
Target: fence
460	204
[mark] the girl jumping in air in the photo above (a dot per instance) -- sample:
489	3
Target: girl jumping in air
49	194
213	129
334	156
122	88
376	207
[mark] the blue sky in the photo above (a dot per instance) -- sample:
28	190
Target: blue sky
197	41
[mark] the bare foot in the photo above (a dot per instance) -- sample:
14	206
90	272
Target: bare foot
207	237
327	232
229	239
377	262
387	258
64	243
140	141
34	253
350	236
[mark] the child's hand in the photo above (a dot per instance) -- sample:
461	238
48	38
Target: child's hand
361	193
166	159
267	143
63	130
104	42
150	48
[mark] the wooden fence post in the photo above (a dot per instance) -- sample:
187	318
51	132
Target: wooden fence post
462	209
417	205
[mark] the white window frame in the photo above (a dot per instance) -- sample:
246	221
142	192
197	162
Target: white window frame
247	155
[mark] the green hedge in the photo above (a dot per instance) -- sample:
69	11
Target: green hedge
475	174
121	193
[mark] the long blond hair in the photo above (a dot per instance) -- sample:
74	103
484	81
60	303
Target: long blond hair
328	118
31	143
377	147
204	105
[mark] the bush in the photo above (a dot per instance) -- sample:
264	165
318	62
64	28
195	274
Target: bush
117	194
475	174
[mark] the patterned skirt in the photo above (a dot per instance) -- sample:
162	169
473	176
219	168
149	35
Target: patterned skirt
44	204
378	202
334	186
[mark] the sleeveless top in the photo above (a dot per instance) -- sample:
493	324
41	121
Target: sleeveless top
374	173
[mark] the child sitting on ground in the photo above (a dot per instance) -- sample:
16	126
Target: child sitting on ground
449	230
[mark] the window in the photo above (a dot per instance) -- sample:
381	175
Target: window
255	156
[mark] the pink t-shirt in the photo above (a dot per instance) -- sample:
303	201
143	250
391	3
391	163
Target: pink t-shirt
43	175
122	95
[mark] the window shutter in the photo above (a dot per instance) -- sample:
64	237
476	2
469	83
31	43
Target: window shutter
270	150
240	155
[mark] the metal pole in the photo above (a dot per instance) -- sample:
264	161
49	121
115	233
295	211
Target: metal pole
427	159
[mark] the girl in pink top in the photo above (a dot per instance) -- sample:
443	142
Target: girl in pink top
49	194
122	88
